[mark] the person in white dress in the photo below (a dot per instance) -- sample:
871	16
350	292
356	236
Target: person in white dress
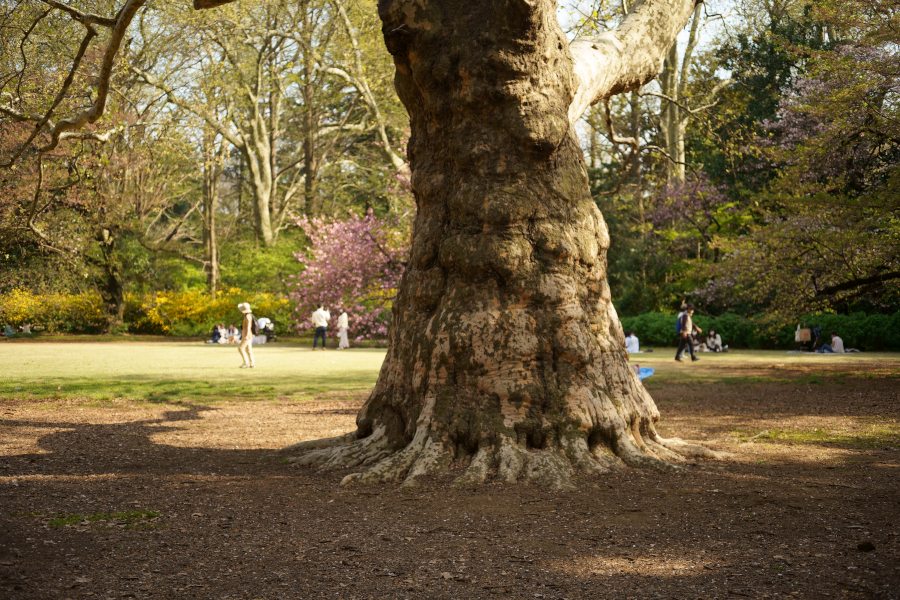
632	344
343	325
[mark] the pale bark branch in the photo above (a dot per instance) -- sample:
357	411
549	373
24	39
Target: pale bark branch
629	56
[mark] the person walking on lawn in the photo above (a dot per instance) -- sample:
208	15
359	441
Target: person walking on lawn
320	319
246	345
686	329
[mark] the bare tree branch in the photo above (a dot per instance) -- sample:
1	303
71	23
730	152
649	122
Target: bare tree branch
83	18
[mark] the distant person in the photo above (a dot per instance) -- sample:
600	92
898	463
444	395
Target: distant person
223	334
9	332
343	325
263	337
320	319
246	345
686	329
26	328
714	342
632	343
216	335
233	334
269	331
699	343
836	346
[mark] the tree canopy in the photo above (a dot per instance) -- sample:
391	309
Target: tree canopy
151	147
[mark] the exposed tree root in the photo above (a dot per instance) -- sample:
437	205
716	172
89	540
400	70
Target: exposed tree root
510	461
551	469
478	468
635	446
323	443
593	430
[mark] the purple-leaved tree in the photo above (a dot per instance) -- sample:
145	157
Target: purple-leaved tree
353	265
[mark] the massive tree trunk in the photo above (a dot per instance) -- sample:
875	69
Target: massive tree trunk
506	354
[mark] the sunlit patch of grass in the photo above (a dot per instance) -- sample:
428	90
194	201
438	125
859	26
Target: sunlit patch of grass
131	519
746	380
874	435
163	373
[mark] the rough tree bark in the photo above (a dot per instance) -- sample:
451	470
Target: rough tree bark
506	354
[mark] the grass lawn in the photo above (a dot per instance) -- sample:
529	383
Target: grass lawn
167	371
164	371
753	366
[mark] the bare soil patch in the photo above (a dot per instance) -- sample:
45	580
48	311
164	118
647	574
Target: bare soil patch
176	500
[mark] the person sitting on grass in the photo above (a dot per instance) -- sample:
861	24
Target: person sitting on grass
836	346
216	335
234	336
223	334
714	342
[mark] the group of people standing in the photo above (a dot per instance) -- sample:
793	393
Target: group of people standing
250	327
320	319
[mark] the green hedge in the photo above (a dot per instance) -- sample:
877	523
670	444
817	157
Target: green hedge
870	333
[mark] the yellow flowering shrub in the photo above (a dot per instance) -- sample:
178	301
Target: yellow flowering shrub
195	313
54	313
167	313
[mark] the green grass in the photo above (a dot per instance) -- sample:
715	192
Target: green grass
133	519
168	372
192	371
741	367
866	436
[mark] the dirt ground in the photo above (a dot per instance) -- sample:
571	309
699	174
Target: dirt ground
174	500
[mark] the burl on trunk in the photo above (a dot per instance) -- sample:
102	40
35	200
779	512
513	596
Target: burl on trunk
506	353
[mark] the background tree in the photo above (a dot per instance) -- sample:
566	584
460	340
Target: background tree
287	92
351	265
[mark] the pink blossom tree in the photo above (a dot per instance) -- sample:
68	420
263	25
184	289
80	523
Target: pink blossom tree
352	265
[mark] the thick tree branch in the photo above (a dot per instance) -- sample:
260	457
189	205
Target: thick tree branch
123	21
628	57
858	283
83	18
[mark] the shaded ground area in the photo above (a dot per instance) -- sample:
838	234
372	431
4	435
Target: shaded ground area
186	500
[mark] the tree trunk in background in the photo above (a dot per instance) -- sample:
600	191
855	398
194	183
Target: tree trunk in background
670	118
638	175
212	172
112	287
505	350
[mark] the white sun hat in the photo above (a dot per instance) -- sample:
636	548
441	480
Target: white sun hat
244	307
